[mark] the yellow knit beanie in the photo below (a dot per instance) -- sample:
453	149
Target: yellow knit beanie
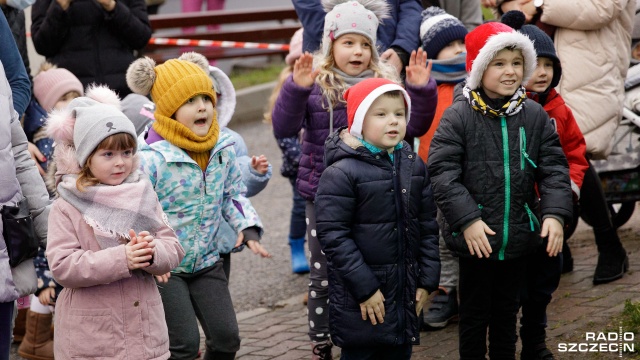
171	84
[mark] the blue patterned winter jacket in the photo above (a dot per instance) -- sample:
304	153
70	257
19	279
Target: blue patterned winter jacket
196	202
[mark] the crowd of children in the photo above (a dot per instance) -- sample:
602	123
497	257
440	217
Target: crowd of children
437	192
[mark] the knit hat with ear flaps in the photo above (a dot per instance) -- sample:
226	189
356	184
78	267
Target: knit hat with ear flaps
53	83
484	43
171	84
438	29
359	98
353	17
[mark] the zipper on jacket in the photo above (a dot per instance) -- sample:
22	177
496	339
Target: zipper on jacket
523	150
533	220
507	186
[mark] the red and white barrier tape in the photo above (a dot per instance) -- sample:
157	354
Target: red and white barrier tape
214	43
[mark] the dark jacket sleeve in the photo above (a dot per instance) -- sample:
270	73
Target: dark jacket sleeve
311	16
335	206
429	252
49	27
130	23
446	155
14	68
289	109
423	108
552	175
408	27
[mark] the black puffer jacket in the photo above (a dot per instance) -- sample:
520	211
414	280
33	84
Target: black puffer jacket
377	226
476	177
95	45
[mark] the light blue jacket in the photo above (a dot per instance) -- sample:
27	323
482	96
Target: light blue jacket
198	202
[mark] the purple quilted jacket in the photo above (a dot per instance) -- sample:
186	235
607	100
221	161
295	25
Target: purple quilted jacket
299	107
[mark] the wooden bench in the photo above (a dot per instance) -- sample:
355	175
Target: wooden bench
251	28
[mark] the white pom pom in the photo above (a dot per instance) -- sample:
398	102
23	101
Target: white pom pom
141	75
103	95
60	125
197	59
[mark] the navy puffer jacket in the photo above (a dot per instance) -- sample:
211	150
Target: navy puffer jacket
299	107
487	168
376	223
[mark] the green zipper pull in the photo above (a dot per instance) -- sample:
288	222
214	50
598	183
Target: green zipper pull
532	218
523	150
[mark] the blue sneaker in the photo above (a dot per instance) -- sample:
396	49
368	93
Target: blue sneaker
443	309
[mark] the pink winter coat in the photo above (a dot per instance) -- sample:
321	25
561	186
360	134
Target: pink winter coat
106	311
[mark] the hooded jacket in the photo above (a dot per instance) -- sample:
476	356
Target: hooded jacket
486	168
299	107
376	222
19	179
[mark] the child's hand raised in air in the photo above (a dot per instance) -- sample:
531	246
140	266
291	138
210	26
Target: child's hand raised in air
303	73
476	238
418	71
260	164
552	228
139	253
374	308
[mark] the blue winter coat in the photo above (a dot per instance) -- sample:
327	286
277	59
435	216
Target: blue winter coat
298	107
376	223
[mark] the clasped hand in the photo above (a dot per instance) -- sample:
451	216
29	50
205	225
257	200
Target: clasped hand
139	249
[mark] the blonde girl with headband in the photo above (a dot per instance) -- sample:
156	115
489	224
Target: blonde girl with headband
311	98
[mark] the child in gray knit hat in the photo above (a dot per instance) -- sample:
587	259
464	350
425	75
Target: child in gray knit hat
108	236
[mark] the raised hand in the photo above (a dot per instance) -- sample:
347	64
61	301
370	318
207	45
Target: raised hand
418	71
303	73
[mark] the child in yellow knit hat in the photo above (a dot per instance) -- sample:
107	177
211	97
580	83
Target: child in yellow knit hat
192	166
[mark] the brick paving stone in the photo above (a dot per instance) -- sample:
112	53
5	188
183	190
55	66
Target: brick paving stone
293	355
244	350
271	331
275	339
281	348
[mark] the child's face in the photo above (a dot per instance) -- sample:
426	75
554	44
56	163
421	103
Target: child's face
65	99
542	76
352	53
196	114
504	74
635	52
385	123
451	50
111	167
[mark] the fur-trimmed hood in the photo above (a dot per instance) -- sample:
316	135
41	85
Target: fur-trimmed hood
226	105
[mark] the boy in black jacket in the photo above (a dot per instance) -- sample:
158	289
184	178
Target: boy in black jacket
493	146
376	223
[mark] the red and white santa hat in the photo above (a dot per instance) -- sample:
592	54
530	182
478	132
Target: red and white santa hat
484	43
359	98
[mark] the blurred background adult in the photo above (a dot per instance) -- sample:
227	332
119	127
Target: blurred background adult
467	11
94	39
